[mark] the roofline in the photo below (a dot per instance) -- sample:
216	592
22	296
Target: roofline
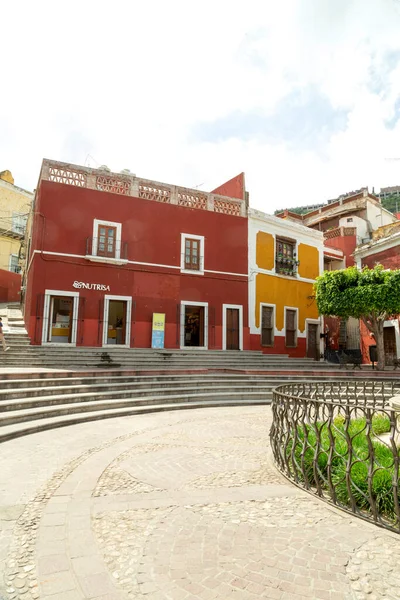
258	215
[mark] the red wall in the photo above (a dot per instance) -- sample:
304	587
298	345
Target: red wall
390	259
234	188
346	243
279	346
152	230
10	286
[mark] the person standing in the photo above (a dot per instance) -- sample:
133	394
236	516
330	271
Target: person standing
2	340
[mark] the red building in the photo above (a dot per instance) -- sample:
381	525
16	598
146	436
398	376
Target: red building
109	250
382	249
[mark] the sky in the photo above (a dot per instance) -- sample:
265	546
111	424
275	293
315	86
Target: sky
301	95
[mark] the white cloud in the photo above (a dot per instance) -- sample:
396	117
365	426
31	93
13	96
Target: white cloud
129	82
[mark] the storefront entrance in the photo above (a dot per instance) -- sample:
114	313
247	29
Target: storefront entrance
60	314
194	321
60	320
117	315
194	326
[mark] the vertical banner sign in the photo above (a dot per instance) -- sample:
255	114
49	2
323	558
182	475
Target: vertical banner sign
157	334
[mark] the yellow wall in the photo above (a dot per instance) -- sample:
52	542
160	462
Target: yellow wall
12	199
265	254
285	292
309	261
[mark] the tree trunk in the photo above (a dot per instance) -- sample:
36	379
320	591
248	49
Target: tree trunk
375	325
380	348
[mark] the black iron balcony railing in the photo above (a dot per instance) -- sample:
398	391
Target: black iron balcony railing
341	441
286	265
117	250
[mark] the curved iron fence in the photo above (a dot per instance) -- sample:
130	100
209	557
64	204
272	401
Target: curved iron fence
341	441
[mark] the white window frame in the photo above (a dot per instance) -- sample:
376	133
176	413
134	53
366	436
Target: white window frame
10	261
46	316
295	244
273	306
128	300
224	320
17	218
94	256
184	237
295	308
185	303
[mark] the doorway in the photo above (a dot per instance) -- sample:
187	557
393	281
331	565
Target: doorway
117	315
389	341
194	325
60	320
313	350
60	315
232	329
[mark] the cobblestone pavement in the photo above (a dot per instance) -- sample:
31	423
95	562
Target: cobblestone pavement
176	506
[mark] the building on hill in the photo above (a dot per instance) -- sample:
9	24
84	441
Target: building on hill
15	205
388	192
284	260
345	223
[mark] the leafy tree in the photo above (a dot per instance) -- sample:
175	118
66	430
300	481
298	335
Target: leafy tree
372	295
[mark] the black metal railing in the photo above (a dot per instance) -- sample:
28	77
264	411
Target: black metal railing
341	442
118	251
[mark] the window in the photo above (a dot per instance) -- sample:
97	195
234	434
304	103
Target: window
291	328
106	241
350	220
14	263
285	259
106	244
267	326
19	222
192	253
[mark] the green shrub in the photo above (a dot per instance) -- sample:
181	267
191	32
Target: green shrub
307	452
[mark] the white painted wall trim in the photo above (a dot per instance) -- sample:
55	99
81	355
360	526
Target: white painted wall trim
46	316
131	262
224	321
182	325
128	300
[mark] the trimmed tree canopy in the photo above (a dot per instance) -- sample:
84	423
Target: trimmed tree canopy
361	294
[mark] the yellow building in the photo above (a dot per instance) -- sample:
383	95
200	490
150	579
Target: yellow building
284	260
15	204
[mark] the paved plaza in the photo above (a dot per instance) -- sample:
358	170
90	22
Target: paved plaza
176	506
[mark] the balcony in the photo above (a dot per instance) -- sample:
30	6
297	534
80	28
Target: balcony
117	255
286	265
339	232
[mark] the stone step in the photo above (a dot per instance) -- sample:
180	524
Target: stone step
18	416
25	428
42	396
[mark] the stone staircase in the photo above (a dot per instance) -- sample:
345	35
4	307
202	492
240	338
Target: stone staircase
30	403
145	359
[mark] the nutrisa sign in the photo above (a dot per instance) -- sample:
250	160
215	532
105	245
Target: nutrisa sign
79	285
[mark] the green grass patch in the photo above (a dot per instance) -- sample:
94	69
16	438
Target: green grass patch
361	466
